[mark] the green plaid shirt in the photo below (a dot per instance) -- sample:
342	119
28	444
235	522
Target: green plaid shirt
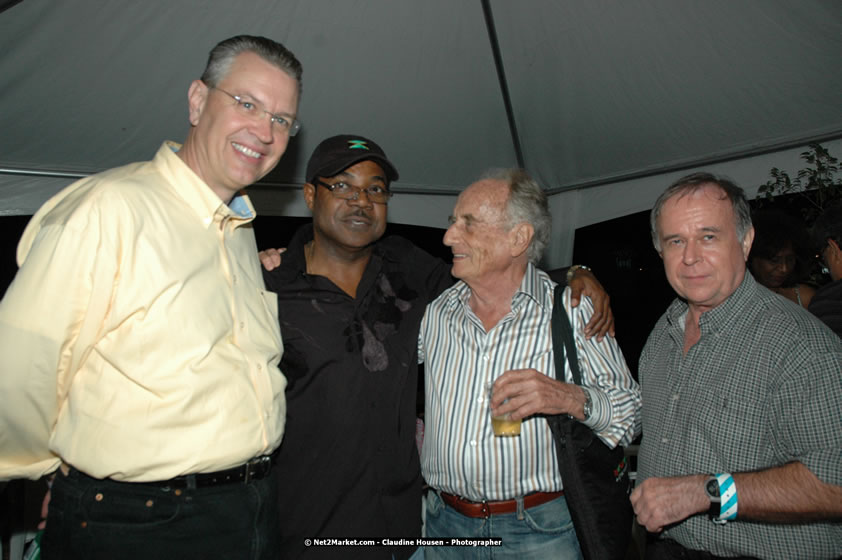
762	387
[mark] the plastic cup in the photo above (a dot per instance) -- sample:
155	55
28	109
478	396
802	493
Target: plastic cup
503	426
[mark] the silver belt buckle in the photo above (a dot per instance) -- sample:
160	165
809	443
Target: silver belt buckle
254	464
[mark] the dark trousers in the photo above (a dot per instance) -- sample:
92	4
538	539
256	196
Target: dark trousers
665	549
92	519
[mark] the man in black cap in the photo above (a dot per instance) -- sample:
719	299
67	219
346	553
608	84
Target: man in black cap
350	305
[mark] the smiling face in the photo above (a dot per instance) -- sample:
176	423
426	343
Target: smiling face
348	224
479	235
703	258
227	148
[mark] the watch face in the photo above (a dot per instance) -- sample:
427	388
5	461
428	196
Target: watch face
712	488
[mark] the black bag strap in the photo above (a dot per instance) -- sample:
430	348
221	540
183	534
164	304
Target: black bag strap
563	338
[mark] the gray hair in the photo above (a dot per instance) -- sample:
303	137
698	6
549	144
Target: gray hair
694	182
222	56
527	203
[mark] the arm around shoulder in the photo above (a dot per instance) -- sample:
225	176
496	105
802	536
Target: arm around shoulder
615	394
583	282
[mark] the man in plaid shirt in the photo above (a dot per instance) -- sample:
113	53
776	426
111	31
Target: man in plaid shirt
741	398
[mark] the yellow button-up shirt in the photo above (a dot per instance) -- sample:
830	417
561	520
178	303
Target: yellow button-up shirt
138	341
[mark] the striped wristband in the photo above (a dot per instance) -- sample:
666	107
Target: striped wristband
728	498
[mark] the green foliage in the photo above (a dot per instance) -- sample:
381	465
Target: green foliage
813	188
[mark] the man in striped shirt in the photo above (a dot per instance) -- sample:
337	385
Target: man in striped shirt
492	329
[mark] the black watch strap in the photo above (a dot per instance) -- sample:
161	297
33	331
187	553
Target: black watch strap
712	490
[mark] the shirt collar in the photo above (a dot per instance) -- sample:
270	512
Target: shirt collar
190	188
535	286
720	317
293	258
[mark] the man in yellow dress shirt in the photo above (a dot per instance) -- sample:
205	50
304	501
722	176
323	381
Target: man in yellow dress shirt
139	348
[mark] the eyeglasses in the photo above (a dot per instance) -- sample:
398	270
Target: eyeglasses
340	189
254	111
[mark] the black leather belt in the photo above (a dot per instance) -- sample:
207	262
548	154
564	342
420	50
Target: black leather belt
255	469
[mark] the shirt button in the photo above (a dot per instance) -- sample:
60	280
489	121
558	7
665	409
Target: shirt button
259	367
675	397
235	278
485	357
473	443
242	325
664	440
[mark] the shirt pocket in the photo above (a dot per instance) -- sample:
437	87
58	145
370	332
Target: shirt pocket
732	427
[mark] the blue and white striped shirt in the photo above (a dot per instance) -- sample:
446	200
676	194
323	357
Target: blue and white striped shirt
461	455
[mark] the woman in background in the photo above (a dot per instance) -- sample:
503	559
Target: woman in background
778	257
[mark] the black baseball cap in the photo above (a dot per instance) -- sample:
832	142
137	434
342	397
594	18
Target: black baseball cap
338	153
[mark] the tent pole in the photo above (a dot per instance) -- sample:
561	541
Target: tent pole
501	77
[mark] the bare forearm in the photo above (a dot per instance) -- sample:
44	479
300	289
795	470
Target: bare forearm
786	494
790	493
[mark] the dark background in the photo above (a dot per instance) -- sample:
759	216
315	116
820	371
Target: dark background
619	251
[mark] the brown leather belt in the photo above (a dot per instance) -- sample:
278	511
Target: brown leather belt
487	509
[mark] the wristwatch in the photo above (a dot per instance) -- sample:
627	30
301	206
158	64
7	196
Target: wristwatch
712	490
571	272
588	406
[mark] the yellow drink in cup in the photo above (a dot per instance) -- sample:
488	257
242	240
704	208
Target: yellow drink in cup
503	427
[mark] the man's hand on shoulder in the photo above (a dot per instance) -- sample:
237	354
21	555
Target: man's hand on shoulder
584	283
270	258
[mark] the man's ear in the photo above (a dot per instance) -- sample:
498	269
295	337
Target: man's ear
521	237
197	97
834	252
747	241
309	191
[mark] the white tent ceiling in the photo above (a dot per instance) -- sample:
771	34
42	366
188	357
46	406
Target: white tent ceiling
609	98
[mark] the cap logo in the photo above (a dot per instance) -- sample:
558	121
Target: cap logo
357	145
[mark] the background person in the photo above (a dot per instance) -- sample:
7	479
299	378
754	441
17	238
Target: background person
827	235
779	255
